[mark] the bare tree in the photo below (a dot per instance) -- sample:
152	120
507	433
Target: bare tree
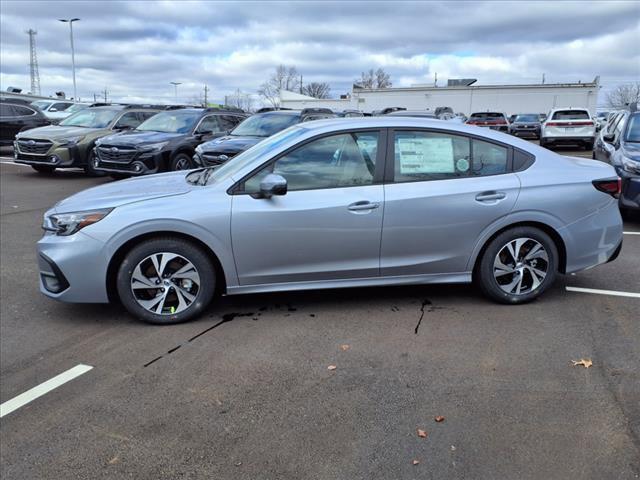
624	95
317	89
374	79
240	100
284	78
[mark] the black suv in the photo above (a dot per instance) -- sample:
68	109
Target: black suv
253	130
16	117
165	142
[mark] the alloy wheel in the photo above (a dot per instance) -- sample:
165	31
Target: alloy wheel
165	283
521	266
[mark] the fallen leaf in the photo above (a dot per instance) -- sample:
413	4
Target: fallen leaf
331	367
422	433
415	462
114	460
439	418
453	448
238	464
585	362
345	347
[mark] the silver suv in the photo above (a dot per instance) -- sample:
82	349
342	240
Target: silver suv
336	203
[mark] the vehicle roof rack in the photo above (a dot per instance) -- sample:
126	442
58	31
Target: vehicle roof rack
313	111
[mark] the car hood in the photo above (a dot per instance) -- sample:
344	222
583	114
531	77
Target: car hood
119	193
230	144
134	138
55	132
631	150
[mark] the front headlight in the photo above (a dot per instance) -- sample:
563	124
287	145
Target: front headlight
629	165
199	149
65	224
152	147
71	141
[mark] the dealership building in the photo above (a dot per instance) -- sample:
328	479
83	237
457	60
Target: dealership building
461	95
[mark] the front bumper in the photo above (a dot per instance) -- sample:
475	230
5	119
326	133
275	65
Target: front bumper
73	268
143	163
57	156
630	196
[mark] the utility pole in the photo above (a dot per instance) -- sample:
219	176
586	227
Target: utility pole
543	78
206	97
105	94
175	88
300	84
435	80
73	54
33	63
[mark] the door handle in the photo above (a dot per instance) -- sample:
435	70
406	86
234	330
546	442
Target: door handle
363	205
489	196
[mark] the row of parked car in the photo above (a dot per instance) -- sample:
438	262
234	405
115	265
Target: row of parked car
132	140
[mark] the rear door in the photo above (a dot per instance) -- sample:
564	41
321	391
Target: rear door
441	191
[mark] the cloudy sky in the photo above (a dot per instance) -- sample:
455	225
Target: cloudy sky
135	48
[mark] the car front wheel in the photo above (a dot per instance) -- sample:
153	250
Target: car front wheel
182	161
166	280
518	265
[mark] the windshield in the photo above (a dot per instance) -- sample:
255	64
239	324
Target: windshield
633	129
240	161
42	104
571	115
76	108
171	122
527	118
90	118
265	124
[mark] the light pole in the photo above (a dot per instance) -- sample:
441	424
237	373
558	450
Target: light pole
175	87
73	53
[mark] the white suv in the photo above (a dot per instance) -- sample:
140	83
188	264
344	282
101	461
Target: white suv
568	126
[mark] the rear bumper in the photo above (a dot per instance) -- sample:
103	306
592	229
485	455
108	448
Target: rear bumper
594	239
571	139
524	132
630	196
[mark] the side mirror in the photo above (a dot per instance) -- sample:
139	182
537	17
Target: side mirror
273	184
123	127
204	132
609	137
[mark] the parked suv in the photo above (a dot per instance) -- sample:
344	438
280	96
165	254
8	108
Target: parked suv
253	130
70	144
525	125
619	145
568	126
164	143
16	117
493	120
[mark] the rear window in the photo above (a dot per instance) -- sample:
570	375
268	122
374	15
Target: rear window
487	116
527	118
571	115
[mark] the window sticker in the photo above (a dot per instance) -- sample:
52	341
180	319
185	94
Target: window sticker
425	155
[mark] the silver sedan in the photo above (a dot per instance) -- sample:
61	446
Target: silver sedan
337	203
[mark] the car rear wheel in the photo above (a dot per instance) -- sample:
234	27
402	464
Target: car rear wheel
181	161
43	168
166	280
518	265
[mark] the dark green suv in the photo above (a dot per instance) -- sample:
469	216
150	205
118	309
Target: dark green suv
70	143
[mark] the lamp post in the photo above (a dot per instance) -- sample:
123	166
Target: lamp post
175	87
73	53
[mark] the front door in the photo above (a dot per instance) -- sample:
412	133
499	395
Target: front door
326	227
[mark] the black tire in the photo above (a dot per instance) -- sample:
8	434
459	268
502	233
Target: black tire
43	169
181	161
542	143
484	272
185	249
89	167
119	176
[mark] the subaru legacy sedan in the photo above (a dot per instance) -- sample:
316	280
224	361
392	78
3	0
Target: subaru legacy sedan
337	203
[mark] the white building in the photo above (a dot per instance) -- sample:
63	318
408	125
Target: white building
510	99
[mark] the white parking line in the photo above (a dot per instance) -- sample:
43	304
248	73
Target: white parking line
6	162
631	233
603	292
30	395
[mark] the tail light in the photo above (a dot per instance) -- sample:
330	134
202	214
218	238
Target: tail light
569	124
612	186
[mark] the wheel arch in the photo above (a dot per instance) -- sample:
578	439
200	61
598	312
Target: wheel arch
121	252
549	230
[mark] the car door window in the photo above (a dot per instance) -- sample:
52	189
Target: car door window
489	158
343	160
6	110
61	107
129	119
209	124
21	111
229	122
421	155
142	116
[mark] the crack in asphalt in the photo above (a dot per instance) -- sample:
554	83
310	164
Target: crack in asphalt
425	302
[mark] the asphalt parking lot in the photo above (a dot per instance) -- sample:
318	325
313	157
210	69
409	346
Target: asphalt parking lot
245	391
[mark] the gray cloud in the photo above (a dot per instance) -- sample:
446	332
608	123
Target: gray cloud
136	48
